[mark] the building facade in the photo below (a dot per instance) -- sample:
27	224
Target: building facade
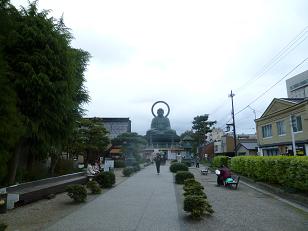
297	86
283	119
115	126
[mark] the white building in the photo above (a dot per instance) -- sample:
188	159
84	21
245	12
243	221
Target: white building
297	86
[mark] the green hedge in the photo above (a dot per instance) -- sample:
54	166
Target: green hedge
77	192
127	171
94	187
288	171
220	160
180	176
106	179
175	167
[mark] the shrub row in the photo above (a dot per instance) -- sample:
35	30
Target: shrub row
79	193
220	160
175	167
127	171
180	176
94	187
288	171
105	179
195	200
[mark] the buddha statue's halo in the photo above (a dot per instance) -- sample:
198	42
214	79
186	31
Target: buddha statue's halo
157	103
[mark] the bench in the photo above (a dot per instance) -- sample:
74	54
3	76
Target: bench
25	193
234	184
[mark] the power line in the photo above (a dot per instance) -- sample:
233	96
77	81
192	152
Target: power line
273	85
279	56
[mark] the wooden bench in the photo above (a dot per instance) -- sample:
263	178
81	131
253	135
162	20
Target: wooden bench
234	184
25	193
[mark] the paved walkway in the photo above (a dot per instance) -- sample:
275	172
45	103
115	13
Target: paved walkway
244	209
145	201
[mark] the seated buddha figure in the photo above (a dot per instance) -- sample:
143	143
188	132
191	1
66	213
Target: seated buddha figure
160	125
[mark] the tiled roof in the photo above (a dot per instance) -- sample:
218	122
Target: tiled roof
249	146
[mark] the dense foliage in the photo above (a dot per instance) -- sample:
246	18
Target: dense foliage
77	192
218	161
94	187
127	171
288	171
131	144
41	87
201	126
195	200
106	179
181	176
174	167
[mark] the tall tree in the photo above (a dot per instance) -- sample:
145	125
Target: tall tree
47	77
201	126
90	139
131	143
10	119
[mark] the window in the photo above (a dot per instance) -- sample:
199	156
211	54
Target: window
281	129
267	131
297	123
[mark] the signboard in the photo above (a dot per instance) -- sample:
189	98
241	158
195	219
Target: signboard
300	150
109	164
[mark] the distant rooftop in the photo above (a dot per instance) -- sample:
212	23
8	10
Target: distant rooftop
110	119
293	100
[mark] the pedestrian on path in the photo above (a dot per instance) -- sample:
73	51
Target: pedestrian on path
157	160
197	161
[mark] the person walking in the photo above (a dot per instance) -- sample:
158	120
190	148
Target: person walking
157	160
197	161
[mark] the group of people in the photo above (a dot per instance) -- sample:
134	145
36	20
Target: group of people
93	168
223	173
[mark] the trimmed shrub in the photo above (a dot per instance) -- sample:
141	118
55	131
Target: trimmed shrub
127	171
136	167
106	179
290	172
173	161
3	226
198	206
77	192
119	164
94	187
175	167
180	176
196	190
191	181
220	160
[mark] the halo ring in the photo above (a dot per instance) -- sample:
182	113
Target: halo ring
157	103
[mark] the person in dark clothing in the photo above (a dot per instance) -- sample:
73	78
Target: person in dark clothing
197	161
157	160
223	175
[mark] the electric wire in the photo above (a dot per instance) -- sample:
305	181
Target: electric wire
253	101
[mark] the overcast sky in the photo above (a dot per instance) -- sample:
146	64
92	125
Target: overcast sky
187	53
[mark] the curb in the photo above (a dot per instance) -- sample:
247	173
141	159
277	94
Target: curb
294	198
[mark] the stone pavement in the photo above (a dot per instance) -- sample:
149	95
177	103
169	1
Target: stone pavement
244	209
145	201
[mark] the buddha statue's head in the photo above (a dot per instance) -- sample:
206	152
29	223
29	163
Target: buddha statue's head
160	112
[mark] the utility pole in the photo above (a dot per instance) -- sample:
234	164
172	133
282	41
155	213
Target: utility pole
233	123
292	135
